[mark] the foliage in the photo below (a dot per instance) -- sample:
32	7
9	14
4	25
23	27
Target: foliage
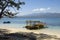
5	4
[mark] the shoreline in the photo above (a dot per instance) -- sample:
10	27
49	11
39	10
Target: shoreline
44	31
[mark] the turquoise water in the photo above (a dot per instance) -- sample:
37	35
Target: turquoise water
21	22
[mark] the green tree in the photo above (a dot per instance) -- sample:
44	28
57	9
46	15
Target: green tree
4	4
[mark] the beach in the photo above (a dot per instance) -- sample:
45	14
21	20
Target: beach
45	31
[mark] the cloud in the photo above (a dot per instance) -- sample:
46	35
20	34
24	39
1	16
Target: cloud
41	9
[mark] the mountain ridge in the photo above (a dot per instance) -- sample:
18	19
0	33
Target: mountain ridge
39	15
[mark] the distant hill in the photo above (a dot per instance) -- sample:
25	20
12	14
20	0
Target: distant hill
42	15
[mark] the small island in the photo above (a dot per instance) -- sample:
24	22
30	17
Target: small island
32	25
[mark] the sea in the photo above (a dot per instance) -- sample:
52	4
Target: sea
18	22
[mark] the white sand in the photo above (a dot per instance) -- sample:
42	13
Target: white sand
45	31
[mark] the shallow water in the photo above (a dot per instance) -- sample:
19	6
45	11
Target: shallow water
52	23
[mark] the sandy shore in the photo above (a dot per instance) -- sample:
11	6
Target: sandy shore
45	31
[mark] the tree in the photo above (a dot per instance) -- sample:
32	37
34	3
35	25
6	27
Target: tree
4	4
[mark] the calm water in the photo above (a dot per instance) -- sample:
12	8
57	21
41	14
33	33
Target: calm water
20	22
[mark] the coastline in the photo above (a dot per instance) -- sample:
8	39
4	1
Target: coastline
44	31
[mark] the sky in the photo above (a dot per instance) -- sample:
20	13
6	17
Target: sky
39	6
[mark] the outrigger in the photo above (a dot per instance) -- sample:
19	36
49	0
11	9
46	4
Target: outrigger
34	25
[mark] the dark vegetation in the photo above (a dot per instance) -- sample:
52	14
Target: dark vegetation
6	4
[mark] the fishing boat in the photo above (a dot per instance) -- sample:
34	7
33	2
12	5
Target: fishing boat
34	25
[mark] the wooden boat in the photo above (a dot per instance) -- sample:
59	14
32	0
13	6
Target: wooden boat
34	25
6	22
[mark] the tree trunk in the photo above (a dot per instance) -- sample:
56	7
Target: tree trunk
0	15
3	10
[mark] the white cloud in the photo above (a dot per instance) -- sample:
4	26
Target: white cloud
41	9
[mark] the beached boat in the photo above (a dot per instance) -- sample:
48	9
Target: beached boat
34	25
